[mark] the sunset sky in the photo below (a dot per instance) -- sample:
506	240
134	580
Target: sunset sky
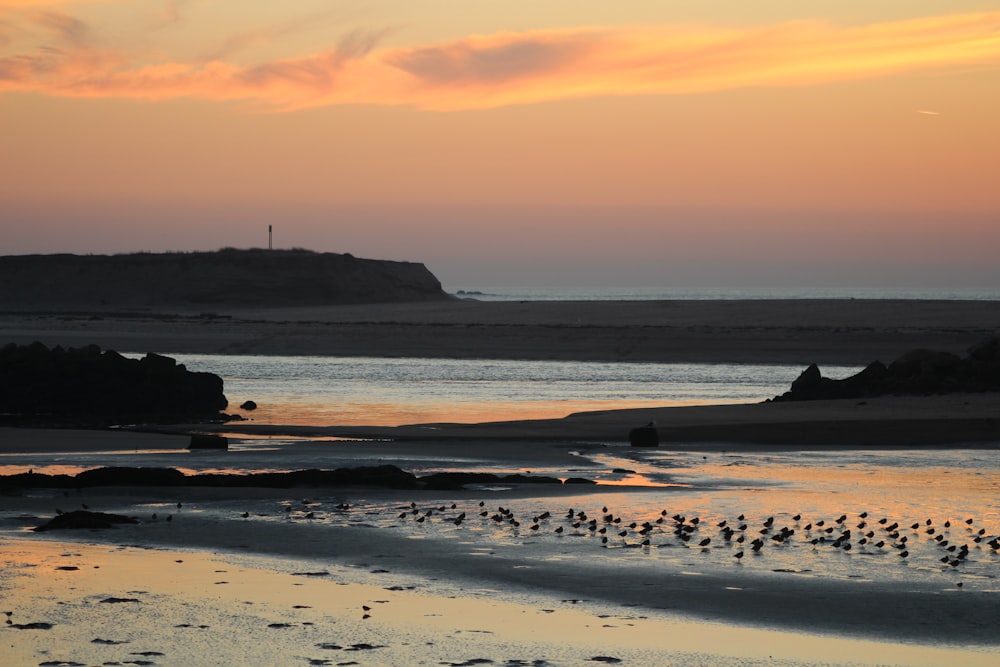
774	142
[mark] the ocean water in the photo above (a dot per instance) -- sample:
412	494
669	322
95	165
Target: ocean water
319	391
522	293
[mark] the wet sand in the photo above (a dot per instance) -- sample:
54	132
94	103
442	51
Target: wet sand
209	609
390	590
442	593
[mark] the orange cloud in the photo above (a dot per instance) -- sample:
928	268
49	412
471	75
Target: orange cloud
517	68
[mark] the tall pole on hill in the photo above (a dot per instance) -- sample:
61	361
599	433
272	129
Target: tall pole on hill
269	246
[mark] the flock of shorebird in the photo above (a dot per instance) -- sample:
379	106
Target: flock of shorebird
954	541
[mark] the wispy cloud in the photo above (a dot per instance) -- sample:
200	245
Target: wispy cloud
925	112
515	68
67	30
247	39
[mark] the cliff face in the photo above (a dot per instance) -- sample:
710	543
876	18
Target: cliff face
226	277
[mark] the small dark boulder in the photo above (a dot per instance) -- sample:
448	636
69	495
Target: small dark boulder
578	480
248	405
82	519
644	436
37	625
203	441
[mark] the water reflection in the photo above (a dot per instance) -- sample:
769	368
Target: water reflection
296	411
392	391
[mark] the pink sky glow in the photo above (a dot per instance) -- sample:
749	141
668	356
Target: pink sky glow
557	144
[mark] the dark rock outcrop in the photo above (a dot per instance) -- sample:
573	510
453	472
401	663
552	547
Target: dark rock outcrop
226	277
385	476
128	476
85	386
918	372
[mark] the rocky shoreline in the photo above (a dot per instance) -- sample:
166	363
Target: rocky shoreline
380	476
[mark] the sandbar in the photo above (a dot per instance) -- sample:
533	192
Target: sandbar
844	331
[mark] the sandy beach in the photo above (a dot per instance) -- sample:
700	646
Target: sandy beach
373	576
